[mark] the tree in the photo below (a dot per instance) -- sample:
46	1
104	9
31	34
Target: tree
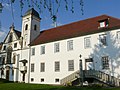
51	5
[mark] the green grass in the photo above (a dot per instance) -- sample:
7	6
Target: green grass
22	86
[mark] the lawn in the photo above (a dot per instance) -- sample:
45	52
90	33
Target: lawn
5	85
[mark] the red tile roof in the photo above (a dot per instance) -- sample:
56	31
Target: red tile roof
80	28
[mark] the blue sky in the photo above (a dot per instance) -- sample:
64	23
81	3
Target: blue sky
91	8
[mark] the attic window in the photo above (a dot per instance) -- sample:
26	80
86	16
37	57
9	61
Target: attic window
104	23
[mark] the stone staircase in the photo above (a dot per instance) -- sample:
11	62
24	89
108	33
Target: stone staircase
70	78
98	75
102	77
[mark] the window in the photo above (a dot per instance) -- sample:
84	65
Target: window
33	51
42	49
32	67
14	58
42	79
15	45
104	23
57	66
3	59
26	27
70	45
87	43
70	65
9	55
35	27
118	36
4	48
105	62
42	69
32	79
56	47
103	39
57	80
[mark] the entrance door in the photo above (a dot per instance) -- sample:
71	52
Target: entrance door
89	64
7	74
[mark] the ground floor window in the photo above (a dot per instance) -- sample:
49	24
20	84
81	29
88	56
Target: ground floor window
57	80
105	62
42	79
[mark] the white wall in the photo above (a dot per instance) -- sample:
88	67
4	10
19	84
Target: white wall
96	52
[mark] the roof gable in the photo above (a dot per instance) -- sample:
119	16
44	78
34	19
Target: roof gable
76	29
15	34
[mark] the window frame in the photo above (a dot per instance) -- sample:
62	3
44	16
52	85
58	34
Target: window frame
33	51
42	67
56	47
26	27
57	66
118	36
70	65
69	45
103	39
42	50
105	62
35	27
32	67
86	43
15	45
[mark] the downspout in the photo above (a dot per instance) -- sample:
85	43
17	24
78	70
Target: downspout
29	64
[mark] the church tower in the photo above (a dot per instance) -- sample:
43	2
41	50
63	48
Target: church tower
30	26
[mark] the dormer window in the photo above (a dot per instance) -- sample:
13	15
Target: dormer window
103	23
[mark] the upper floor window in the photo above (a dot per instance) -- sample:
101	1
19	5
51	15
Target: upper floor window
15	45
26	27
103	39
118	36
33	51
57	66
70	45
104	23
105	62
87	43
32	67
35	27
4	48
56	47
70	65
42	49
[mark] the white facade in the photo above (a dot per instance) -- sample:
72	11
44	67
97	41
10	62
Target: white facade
50	62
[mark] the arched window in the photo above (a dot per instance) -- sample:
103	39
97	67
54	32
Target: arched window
26	27
35	27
